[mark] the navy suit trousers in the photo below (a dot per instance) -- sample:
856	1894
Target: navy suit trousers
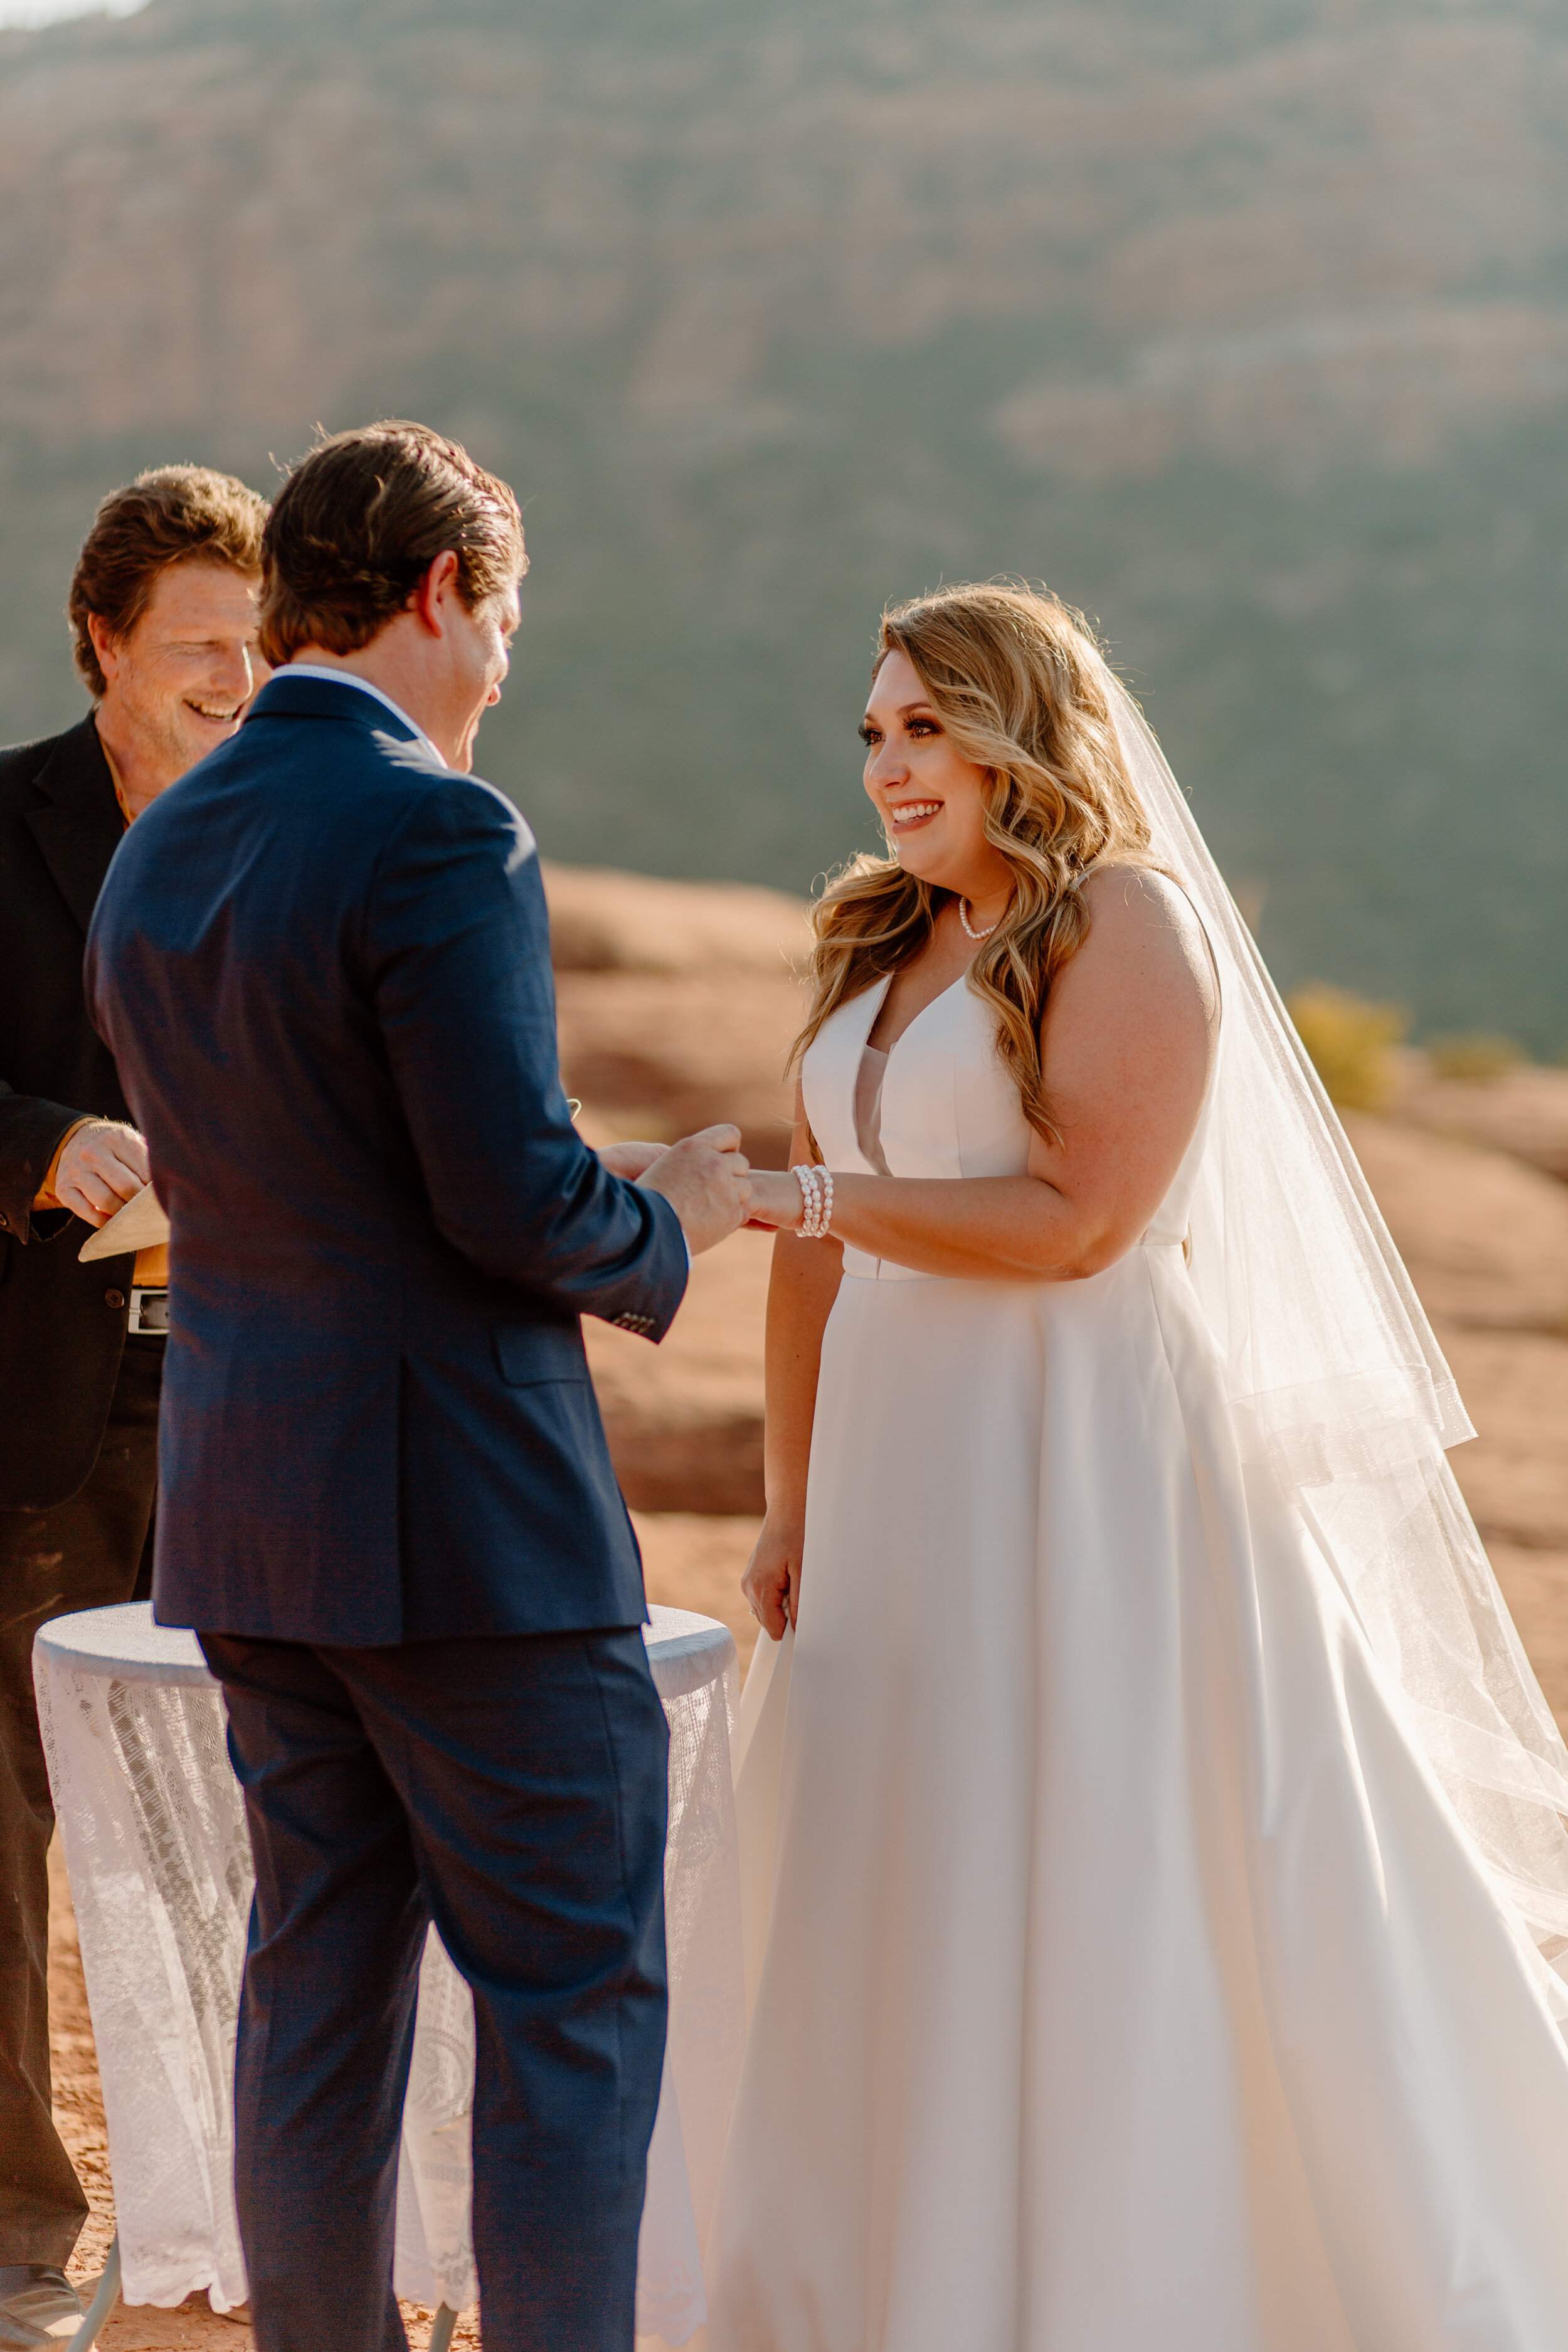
513	1790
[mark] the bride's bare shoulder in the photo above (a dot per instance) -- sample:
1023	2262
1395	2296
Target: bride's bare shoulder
1144	924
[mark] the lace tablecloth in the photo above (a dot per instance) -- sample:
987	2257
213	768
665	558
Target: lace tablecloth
155	1845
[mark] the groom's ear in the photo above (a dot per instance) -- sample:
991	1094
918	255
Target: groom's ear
435	592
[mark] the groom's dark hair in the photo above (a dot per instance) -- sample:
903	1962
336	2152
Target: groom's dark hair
359	523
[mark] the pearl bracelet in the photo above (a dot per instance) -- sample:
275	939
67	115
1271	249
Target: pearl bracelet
815	1199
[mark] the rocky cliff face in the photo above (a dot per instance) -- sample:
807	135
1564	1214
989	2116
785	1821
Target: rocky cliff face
1250	230
1244	323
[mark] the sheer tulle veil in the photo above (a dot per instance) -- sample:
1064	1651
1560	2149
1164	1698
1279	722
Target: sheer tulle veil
1338	1387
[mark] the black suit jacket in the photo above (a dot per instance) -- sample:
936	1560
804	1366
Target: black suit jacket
62	1325
323	960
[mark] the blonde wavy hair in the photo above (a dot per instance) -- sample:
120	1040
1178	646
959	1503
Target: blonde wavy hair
1021	687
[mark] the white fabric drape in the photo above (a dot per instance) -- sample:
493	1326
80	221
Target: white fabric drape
1336	1380
153	1829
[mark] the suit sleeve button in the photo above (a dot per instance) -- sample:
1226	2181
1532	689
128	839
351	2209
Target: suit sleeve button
115	1299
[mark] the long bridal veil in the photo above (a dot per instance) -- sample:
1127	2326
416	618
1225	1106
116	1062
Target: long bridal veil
1338	1385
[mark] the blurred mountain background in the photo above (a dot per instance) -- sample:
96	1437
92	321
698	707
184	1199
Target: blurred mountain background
1243	323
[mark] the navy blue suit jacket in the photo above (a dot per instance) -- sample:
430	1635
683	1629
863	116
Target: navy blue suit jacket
322	963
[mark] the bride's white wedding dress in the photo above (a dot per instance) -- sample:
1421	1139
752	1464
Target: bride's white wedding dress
1131	1981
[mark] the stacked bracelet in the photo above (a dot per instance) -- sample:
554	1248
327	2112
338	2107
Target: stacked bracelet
816	1201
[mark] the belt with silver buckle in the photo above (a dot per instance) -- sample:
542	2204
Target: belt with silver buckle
148	1314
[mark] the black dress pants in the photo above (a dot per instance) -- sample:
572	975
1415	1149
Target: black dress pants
86	1553
513	1789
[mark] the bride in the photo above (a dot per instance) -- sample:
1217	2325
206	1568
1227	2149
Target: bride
1155	1830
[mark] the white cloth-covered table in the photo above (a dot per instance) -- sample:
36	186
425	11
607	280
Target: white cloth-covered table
153	1831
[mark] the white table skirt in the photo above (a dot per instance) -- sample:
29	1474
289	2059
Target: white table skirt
153	1831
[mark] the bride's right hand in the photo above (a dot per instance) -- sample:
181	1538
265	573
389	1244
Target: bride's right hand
775	1203
772	1582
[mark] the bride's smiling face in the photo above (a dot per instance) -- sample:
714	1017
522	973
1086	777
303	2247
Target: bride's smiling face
929	797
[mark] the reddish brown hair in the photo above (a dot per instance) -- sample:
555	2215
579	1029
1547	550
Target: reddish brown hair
172	514
359	523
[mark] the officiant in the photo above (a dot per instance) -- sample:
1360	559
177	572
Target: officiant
162	612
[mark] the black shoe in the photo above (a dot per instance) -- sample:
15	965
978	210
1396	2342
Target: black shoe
39	2306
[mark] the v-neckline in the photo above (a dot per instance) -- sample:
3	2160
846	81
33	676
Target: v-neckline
928	1007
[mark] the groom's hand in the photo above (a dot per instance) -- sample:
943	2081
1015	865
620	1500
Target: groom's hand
705	1179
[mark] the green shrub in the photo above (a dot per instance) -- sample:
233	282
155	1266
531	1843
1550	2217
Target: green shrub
1350	1043
1474	1054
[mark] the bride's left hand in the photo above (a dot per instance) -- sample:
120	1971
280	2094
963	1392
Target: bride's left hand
771	1585
630	1159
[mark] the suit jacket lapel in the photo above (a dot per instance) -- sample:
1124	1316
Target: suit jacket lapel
76	820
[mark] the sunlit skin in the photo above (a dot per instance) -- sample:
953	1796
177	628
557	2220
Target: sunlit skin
930	801
1125	1043
177	684
179	681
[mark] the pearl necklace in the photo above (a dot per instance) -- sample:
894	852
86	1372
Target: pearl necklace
969	927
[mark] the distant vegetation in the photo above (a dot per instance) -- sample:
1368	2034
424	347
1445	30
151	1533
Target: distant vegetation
1243	322
1473	1055
1351	1043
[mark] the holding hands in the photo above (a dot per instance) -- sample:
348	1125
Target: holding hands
772	1195
778	1200
705	1178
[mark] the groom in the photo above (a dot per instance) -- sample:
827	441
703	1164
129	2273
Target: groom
321	962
